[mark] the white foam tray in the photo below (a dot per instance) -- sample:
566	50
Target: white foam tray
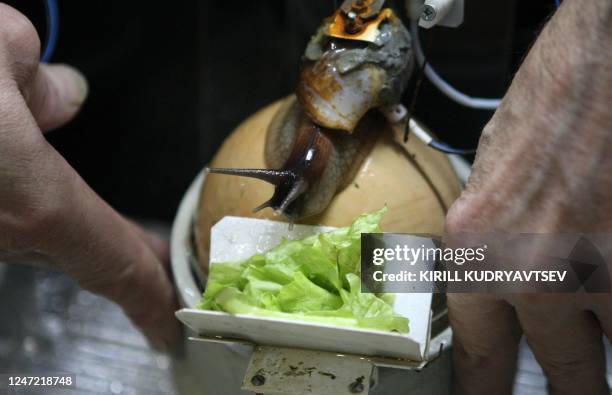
234	239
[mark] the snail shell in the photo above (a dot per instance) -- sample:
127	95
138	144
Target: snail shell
342	80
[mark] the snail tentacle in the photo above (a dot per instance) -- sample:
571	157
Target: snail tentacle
274	177
298	188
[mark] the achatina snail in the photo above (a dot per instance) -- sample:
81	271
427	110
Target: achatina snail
359	60
349	159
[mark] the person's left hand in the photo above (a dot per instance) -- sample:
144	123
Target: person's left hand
47	211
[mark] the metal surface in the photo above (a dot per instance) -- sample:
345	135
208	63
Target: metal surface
289	371
442	345
49	325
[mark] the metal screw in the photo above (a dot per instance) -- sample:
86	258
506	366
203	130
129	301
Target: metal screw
356	386
258	380
429	13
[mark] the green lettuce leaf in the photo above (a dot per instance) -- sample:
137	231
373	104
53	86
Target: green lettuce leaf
302	295
315	279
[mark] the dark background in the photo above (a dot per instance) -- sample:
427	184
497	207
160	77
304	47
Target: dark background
169	80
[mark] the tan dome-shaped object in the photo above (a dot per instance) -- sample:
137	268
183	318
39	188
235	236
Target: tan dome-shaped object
417	184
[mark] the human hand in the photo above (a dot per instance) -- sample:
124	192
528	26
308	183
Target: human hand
48	213
544	165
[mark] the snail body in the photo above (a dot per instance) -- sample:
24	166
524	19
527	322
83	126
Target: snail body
416	183
318	140
314	163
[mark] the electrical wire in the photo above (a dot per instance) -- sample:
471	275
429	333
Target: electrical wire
52	13
440	146
427	138
448	90
445	87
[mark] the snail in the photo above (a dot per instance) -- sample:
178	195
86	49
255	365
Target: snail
357	63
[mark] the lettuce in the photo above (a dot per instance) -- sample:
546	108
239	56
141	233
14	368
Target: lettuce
315	279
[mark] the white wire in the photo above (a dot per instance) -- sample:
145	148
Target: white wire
445	87
419	131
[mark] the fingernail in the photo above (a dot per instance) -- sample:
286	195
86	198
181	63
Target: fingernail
73	84
81	85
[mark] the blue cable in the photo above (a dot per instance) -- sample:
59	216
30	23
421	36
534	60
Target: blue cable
52	30
557	3
440	146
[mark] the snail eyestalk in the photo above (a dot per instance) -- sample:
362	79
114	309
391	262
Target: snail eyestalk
289	186
274	177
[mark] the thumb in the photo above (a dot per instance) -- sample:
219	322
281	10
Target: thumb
56	95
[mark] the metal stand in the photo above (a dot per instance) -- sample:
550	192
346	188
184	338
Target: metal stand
293	371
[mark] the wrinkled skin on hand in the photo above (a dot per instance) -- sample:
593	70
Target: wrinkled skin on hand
48	214
544	165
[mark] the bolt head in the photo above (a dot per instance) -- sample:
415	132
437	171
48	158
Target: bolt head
356	387
258	380
429	13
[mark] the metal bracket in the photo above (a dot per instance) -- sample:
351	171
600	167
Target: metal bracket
290	371
447	13
430	13
294	371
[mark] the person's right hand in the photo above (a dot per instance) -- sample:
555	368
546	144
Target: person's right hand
48	213
544	165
